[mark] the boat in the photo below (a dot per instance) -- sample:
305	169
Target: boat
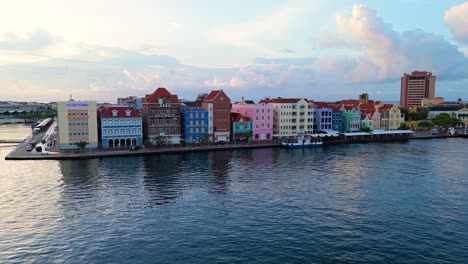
303	141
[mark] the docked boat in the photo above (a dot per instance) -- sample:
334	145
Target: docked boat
303	141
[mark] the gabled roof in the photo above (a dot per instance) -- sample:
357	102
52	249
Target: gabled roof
121	112
160	93
215	93
237	116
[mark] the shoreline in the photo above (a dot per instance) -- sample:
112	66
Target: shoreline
16	154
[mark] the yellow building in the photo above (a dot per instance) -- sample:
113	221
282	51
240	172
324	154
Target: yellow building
77	121
395	118
291	116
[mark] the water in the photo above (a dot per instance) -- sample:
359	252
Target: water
363	203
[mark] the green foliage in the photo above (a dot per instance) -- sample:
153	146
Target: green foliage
81	144
160	140
147	143
418	114
404	126
205	139
365	129
425	124
445	120
247	134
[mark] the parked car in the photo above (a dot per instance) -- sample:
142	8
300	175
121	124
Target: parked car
29	147
134	148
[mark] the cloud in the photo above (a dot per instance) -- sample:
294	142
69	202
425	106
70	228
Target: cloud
329	40
387	54
32	41
456	19
272	26
286	50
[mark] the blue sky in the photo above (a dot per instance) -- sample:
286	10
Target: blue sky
322	50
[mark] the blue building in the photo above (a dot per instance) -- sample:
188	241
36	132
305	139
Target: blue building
136	103
337	119
322	117
194	120
121	126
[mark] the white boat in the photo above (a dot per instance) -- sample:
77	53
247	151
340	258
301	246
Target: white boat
303	141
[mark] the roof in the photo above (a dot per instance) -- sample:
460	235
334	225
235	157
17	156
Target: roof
237	116
350	102
121	112
161	93
367	106
280	100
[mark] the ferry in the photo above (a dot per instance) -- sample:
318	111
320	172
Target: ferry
303	141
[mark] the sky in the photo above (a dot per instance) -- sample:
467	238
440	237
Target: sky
321	50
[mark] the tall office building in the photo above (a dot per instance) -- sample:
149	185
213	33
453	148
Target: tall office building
415	87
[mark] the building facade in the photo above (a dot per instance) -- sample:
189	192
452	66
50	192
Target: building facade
395	118
240	126
218	106
121	127
161	111
77	121
261	116
194	122
323	117
415	87
291	116
351	119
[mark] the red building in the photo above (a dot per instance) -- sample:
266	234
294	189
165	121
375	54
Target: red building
218	105
415	87
161	111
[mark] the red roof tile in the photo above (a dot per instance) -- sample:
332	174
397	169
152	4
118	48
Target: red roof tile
237	116
161	93
121	112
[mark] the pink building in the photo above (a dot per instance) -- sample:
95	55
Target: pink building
261	116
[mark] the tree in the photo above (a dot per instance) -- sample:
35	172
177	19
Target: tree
248	135
81	145
365	129
205	139
443	120
147	144
159	140
403	126
425	124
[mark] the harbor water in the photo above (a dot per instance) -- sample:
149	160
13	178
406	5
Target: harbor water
401	202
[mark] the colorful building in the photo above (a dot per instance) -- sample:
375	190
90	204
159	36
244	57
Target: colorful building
351	118
291	116
218	106
337	118
323	116
366	121
240	126
77	122
161	111
261	116
194	122
395	118
121	126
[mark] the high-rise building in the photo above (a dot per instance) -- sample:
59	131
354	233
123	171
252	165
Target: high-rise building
415	87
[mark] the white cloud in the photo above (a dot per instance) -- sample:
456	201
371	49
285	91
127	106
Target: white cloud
386	54
456	19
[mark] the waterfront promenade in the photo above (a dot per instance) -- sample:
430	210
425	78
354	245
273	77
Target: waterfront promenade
20	152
